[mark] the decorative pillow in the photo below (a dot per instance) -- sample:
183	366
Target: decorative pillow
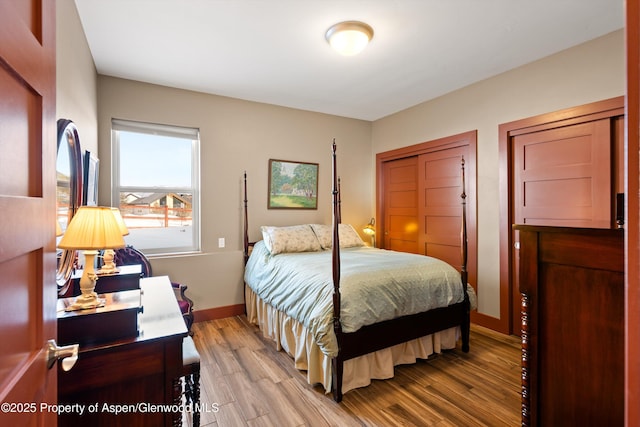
348	236
324	233
296	238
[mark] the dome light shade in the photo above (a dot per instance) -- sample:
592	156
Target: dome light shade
350	37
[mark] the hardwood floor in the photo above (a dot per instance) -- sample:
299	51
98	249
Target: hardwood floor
246	382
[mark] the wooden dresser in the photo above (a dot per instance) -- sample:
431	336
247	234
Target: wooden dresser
572	285
139	374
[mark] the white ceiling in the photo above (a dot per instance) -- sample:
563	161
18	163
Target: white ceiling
274	51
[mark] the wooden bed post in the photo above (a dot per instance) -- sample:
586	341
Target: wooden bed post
246	239
339	215
246	222
466	324
337	362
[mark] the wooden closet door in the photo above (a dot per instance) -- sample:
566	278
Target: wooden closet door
401	205
439	201
563	176
419	202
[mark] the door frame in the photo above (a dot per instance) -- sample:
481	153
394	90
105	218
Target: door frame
632	214
597	110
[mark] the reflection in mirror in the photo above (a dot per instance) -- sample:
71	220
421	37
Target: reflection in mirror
68	192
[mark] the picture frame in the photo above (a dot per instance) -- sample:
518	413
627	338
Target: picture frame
292	185
90	179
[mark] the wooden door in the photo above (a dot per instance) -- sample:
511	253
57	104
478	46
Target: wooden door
439	201
424	183
562	177
27	203
401	205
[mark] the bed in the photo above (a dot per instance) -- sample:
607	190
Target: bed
348	313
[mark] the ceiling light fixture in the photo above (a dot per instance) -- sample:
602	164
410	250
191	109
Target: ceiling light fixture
350	37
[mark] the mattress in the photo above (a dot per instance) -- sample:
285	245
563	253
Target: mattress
375	285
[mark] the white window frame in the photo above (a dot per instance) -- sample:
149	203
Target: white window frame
192	134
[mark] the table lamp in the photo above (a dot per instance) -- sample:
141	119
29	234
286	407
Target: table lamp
91	229
108	255
370	229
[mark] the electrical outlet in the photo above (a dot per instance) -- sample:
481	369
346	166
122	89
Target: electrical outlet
221	242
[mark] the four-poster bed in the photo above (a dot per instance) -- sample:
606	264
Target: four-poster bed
346	319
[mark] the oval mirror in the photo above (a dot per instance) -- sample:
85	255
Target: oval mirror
68	193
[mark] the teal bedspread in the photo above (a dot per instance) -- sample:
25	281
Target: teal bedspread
375	285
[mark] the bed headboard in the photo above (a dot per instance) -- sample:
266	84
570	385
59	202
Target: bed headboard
337	207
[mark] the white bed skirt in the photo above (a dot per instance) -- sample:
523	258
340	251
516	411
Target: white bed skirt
292	337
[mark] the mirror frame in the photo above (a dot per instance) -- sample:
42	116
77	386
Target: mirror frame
68	139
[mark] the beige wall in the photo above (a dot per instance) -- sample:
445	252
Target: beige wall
590	72
237	136
76	77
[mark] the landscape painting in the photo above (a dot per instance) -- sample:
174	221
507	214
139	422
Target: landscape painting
292	185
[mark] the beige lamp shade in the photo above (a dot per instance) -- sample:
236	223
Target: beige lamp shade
92	228
123	227
108	256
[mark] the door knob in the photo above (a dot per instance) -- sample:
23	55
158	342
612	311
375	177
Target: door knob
68	354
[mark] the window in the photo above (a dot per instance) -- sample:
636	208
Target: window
155	183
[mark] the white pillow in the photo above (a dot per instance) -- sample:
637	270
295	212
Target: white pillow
296	238
346	233
324	233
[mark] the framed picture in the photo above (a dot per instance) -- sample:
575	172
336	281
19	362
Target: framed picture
292	185
90	180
